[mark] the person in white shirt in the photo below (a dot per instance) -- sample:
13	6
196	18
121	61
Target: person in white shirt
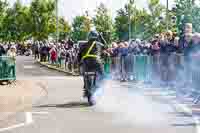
11	60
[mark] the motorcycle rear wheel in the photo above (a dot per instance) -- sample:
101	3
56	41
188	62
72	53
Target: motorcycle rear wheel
91	100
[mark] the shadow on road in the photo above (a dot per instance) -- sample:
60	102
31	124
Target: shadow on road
67	105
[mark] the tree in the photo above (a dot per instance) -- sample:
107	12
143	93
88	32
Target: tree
140	23
81	26
64	29
157	22
121	24
103	22
3	8
16	23
183	13
42	13
196	18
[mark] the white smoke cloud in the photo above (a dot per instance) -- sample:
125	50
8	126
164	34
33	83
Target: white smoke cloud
129	107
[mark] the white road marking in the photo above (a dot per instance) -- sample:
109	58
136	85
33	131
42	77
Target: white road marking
12	127
28	67
40	113
29	118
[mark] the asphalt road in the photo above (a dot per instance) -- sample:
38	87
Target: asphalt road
123	107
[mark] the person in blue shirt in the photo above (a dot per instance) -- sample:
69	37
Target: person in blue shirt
123	53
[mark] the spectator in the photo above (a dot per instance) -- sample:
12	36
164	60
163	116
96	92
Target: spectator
133	48
70	43
53	54
155	48
123	52
195	46
166	48
67	59
146	48
2	50
48	49
114	52
11	63
61	55
187	45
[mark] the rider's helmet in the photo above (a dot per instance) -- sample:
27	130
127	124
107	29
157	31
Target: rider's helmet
93	36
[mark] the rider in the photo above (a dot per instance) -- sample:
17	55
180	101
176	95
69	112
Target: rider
90	54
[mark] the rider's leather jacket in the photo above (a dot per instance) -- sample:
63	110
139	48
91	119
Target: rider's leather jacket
90	56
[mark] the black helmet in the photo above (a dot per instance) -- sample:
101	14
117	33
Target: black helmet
93	35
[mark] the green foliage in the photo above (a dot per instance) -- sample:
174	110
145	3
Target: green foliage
15	23
183	13
42	18
144	24
196	18
81	26
187	12
121	24
103	22
64	29
20	22
155	24
38	21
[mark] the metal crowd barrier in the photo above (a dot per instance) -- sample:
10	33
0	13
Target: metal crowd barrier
149	68
7	68
173	70
131	67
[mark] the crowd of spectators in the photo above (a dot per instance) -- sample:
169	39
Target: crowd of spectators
8	55
62	54
167	52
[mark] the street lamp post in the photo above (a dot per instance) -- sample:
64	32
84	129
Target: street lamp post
57	32
167	14
130	30
131	2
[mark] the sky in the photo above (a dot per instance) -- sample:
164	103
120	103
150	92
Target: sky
70	8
